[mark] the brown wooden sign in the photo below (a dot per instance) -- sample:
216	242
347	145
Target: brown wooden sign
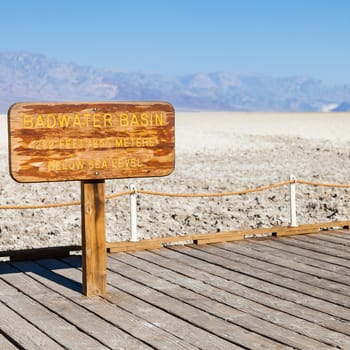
90	141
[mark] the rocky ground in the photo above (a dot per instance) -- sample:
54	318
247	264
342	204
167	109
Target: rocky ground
233	162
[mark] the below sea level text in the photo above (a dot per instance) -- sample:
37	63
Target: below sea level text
93	164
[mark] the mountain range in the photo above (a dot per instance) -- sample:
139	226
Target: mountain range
34	77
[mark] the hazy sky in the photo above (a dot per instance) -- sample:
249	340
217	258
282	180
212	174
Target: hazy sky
176	37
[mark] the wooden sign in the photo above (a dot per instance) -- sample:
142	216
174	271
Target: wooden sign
90	141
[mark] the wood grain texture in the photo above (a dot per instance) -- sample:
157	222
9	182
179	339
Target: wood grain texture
5	344
229	236
83	141
254	294
44	287
231	293
93	237
23	332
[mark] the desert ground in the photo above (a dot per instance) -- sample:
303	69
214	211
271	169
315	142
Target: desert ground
215	152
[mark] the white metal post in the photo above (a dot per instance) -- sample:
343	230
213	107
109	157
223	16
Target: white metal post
133	213
293	209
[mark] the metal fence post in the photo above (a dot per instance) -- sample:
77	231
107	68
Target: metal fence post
293	210
133	213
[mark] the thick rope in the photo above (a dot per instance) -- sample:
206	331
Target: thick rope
223	194
119	194
58	205
179	195
40	206
317	184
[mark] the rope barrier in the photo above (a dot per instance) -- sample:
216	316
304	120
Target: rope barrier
317	184
40	206
223	194
180	195
119	194
58	205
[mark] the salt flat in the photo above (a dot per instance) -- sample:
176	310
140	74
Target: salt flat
215	152
211	129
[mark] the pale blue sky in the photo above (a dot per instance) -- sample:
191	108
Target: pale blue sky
177	37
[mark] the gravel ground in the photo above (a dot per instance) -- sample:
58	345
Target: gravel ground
214	153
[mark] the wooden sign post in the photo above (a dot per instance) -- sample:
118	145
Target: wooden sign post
91	142
93	237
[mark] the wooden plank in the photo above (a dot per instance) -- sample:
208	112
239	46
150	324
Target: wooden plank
47	276
217	302
41	285
275	285
319	249
133	246
5	344
155	243
90	140
257	290
93	237
332	238
226	292
294	231
23	333
159	320
325	243
272	247
218	237
113	314
344	234
157	317
237	237
323	289
331	225
171	298
282	244
174	325
56	328
310	228
197	318
293	269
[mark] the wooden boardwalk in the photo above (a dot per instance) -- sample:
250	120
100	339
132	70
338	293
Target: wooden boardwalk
274	293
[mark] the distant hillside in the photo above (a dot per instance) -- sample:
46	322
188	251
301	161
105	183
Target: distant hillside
33	77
